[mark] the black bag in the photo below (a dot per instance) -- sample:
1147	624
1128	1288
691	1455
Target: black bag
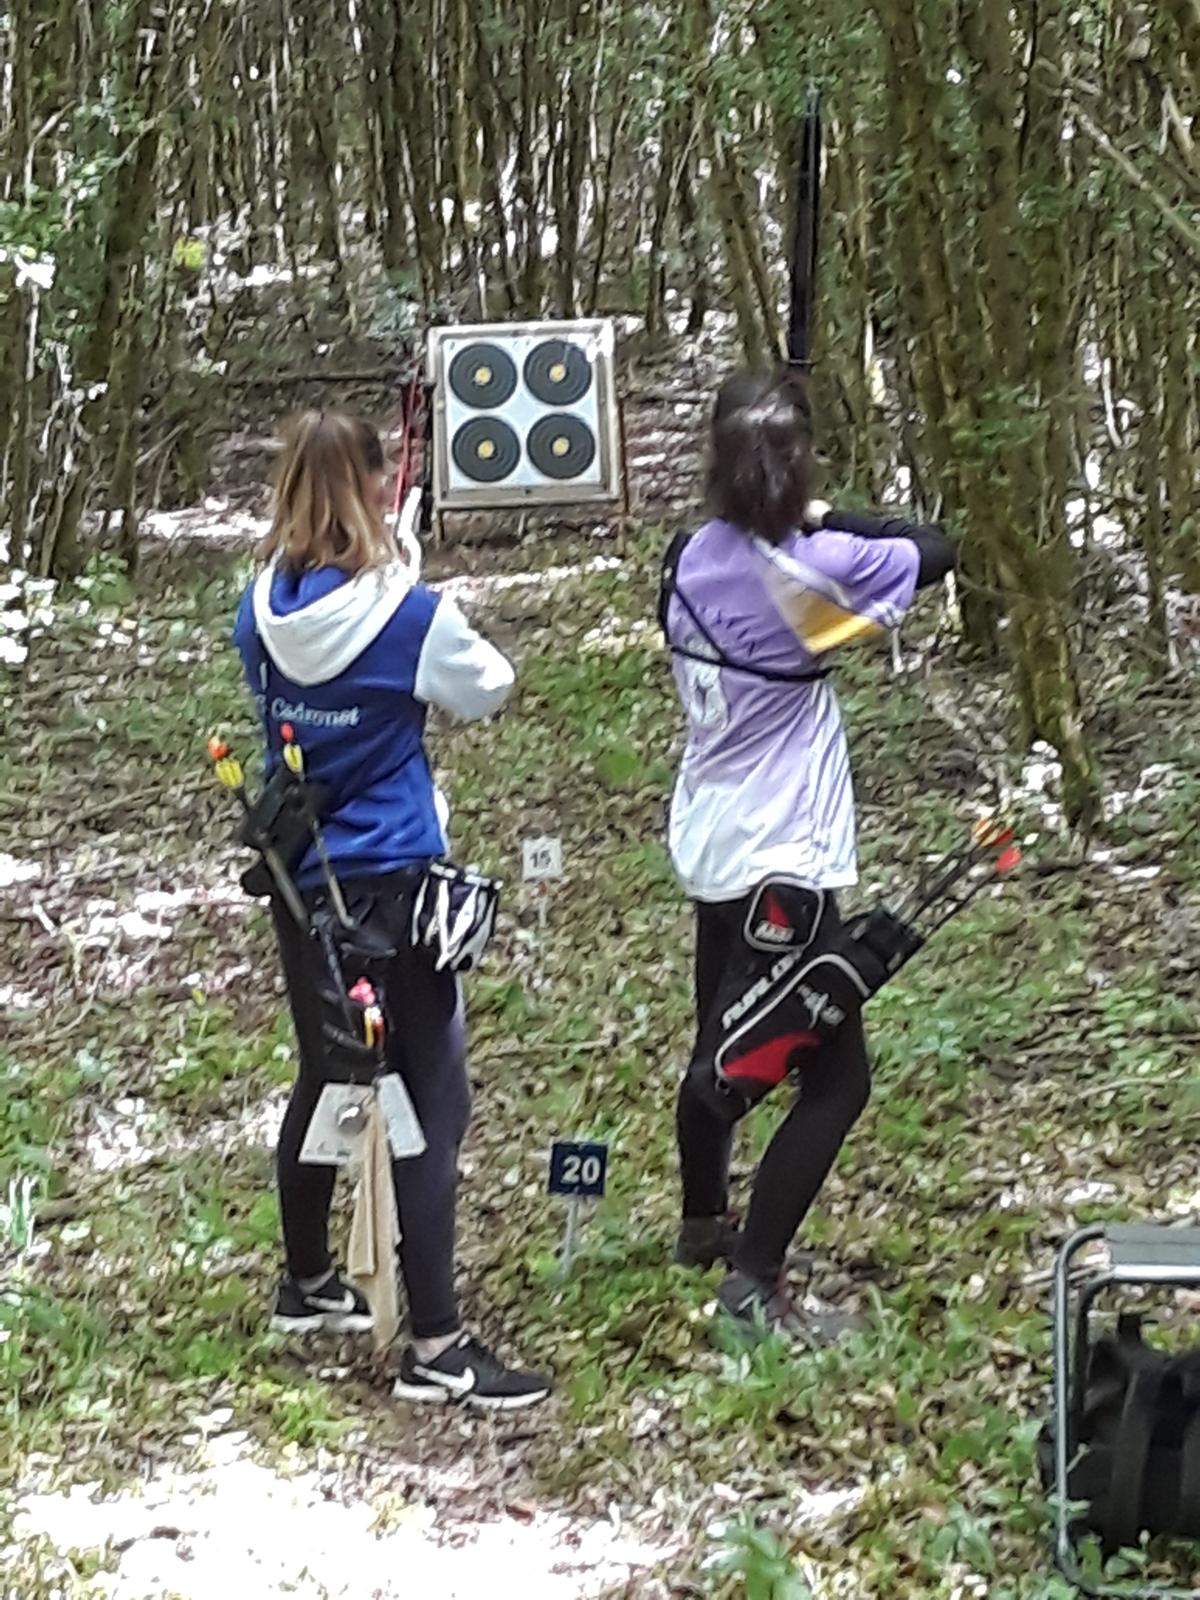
1137	1440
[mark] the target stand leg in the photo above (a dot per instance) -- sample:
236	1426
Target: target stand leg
623	518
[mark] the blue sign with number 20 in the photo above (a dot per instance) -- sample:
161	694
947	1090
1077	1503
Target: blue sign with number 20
578	1168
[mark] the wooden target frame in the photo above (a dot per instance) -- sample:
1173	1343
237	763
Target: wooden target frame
525	408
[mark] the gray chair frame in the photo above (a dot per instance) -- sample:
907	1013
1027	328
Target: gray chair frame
1146	1254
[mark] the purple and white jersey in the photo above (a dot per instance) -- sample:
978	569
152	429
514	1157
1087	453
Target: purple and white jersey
764	785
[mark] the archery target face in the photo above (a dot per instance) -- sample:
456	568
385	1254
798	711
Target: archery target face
557	372
486	450
524	412
482	376
561	446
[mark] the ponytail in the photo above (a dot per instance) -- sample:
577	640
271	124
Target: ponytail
326	510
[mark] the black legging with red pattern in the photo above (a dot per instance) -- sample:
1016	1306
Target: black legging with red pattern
835	1080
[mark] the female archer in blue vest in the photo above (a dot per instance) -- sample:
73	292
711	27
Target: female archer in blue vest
339	640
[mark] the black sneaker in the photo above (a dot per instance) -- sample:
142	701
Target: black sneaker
334	1307
468	1374
703	1241
752	1308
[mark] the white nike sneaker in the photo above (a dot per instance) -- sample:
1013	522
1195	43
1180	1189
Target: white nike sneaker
467	1373
333	1307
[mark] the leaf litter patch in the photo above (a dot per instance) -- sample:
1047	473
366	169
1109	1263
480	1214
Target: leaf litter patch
131	1132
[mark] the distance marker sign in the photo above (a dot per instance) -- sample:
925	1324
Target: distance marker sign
578	1169
541	859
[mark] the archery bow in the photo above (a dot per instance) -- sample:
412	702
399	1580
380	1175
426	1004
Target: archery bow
805	219
410	507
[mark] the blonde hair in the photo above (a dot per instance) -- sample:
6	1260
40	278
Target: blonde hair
326	513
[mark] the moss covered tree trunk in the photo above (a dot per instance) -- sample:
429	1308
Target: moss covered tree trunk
132	196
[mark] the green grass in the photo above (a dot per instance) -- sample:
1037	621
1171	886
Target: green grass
1007	1076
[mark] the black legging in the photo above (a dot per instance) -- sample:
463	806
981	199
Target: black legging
427	1048
835	1081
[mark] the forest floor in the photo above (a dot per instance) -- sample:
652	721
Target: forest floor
1034	1071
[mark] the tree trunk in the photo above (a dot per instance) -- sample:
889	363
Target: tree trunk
131	205
666	185
1181	443
133	199
528	210
695	251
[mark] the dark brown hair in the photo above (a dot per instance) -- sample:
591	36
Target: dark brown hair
326	514
760	464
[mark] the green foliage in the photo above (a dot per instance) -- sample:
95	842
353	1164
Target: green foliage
761	1561
1033	1068
188	254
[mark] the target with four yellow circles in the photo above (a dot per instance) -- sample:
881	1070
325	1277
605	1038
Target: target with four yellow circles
553	438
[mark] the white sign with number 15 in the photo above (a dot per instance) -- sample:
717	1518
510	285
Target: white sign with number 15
541	859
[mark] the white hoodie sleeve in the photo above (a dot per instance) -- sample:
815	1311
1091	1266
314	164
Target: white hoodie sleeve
457	669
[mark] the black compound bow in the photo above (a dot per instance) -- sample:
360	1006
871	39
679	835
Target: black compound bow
806	212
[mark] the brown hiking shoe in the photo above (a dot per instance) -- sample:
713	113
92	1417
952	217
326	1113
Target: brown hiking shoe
754	1308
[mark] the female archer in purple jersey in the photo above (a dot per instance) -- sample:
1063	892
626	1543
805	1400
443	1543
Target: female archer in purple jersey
762	830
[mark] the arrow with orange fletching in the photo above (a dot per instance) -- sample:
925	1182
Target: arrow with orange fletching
990	837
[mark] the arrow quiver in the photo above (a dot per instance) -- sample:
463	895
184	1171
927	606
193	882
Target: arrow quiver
801	972
281	825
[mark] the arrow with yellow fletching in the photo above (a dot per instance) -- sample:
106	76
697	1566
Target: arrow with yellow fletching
231	776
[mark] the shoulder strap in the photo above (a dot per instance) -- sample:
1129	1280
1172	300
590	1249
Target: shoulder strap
1189	1476
667	585
1122	1517
719	657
